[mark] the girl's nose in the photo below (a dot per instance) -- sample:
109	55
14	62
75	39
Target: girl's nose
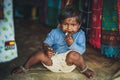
69	29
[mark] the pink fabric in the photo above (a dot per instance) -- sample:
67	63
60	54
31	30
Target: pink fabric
95	34
118	5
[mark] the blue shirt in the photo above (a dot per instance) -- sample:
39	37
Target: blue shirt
56	37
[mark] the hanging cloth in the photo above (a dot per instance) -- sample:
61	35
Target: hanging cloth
109	40
95	33
86	15
118	5
8	49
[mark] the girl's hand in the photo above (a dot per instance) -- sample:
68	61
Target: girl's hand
48	50
69	39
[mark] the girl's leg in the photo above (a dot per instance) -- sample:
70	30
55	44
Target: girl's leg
34	59
76	59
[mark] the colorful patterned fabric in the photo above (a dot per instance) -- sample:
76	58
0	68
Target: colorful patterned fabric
109	39
8	49
95	34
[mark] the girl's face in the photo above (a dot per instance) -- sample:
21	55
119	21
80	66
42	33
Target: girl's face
70	25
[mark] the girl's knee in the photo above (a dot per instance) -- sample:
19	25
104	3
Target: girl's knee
73	55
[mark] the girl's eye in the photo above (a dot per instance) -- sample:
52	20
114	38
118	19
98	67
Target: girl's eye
73	25
64	24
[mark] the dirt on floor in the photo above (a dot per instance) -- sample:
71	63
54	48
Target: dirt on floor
29	35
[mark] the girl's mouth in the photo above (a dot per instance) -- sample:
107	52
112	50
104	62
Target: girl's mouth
66	33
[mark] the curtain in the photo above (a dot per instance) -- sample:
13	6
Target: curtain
110	38
118	6
95	34
8	49
85	8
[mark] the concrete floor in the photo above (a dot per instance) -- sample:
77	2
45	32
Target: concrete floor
29	35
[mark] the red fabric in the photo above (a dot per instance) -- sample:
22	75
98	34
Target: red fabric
95	34
64	2
118	5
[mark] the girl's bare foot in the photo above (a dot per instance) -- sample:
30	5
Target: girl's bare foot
89	73
18	70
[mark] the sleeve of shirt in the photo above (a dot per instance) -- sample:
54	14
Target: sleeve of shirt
50	38
79	44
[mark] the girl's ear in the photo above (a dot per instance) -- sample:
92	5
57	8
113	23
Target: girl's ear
79	25
58	25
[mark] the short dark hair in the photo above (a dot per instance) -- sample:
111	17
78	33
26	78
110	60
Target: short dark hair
68	12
